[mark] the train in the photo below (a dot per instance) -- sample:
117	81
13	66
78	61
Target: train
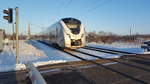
66	33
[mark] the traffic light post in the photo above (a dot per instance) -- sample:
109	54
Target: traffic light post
13	32
17	39
9	18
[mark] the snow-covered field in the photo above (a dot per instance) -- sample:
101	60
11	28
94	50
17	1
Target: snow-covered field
134	48
41	54
35	52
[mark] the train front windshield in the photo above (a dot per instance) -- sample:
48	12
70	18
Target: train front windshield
73	25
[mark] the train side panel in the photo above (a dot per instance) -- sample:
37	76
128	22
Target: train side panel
50	32
56	34
60	35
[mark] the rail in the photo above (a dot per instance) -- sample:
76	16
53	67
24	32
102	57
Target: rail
101	65
116	52
110	50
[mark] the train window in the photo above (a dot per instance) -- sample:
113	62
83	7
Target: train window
73	25
75	30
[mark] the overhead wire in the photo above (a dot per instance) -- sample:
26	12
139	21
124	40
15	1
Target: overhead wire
93	8
64	6
101	3
68	3
90	10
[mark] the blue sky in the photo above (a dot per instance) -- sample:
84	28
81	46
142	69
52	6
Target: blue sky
116	16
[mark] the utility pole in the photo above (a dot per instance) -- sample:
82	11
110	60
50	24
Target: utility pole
17	39
29	34
130	30
131	27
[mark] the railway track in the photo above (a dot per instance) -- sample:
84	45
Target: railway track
109	51
114	60
116	52
107	67
21	76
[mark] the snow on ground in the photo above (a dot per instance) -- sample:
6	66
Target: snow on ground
115	46
146	52
51	53
100	54
134	48
41	54
7	59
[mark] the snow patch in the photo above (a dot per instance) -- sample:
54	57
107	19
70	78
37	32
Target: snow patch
20	67
127	47
110	63
27	52
146	52
23	67
48	62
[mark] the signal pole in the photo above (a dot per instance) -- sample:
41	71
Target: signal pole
13	34
17	39
9	18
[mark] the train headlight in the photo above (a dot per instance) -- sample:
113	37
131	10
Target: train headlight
82	35
68	35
